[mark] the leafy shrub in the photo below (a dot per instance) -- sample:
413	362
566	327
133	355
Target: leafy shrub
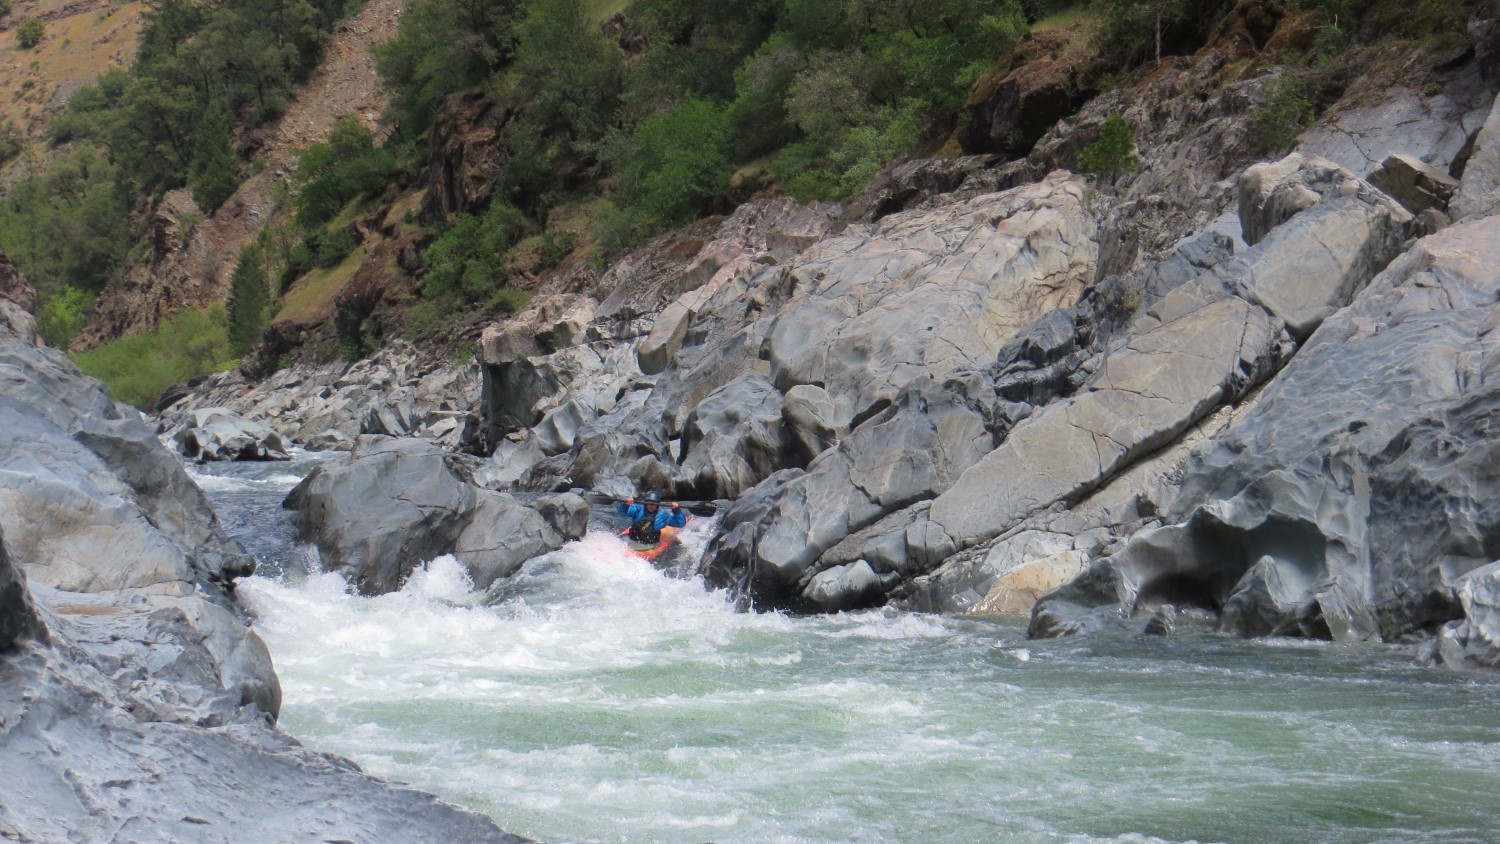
675	166
556	246
29	33
333	247
1113	152
345	166
1286	113
139	369
12	139
61	317
4	8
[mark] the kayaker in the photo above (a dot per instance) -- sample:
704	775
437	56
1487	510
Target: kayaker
648	518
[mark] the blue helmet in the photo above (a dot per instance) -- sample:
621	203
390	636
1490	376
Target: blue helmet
653	497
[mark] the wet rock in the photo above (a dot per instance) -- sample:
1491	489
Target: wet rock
1474	640
391	505
504	532
216	434
847	587
1163	622
814	421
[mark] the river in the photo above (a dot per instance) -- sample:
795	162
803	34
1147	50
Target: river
595	698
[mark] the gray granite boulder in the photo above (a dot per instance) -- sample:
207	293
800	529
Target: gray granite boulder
1353	495
1479	190
504	532
391	505
1474	640
215	434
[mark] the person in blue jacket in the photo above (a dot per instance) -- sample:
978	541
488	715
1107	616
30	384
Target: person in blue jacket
648	518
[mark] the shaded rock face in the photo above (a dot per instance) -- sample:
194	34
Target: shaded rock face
464	155
394	504
18	618
1349	501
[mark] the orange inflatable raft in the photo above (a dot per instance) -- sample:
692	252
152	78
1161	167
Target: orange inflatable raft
651	552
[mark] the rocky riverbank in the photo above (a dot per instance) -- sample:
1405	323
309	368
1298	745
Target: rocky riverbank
1212	390
136	702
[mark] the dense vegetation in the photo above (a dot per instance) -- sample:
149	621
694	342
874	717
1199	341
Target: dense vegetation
677	95
201	69
633	116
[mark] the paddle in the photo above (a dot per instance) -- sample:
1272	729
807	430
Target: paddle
697	508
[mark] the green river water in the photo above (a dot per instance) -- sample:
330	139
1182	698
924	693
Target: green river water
593	698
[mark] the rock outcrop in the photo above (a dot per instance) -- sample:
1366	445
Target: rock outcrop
394	393
1351	499
215	434
394	504
137	701
962	463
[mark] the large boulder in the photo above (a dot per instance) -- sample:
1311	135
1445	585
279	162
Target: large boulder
392	505
1479	189
216	434
924	293
1353	495
504	532
1474	640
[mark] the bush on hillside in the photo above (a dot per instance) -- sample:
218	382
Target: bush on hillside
1286	112
333	172
29	33
1113	153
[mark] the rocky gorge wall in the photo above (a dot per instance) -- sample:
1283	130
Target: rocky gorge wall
135	701
1199	392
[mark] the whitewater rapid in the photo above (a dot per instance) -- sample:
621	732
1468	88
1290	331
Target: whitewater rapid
594	697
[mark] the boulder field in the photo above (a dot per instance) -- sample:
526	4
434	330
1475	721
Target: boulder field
1279	424
135	701
1256	400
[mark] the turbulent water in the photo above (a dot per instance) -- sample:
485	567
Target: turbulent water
593	697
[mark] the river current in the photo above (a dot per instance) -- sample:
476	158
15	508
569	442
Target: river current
593	697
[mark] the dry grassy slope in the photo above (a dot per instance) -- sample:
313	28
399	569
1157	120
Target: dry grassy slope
197	275
83	39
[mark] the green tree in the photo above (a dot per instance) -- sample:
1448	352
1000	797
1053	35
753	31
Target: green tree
213	173
675	165
249	306
12	139
29	33
1286	112
1114	151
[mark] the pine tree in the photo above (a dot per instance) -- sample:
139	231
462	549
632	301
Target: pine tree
213	173
249	300
1113	153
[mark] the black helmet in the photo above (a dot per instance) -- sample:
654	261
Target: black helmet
653	497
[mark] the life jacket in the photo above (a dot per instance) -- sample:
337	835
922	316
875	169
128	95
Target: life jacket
645	530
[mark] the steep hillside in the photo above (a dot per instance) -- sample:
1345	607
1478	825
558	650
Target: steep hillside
81	40
191	256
